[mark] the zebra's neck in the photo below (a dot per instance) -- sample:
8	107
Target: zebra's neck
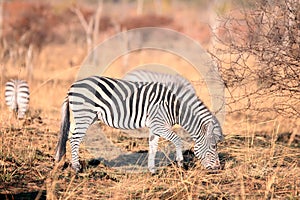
193	114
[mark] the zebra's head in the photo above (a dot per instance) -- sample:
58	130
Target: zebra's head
206	146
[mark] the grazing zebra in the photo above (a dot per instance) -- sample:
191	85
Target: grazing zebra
130	105
183	89
17	96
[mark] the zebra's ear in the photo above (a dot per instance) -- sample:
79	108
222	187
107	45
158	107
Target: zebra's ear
219	137
217	133
214	130
217	130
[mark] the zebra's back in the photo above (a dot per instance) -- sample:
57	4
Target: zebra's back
118	103
178	84
17	96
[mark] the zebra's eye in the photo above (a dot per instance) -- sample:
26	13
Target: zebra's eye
214	146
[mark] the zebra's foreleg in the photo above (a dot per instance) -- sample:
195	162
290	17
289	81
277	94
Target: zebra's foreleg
163	128
153	144
176	140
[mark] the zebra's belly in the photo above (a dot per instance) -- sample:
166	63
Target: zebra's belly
123	120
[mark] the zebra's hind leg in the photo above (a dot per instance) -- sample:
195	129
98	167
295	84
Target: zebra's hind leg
75	143
81	123
153	144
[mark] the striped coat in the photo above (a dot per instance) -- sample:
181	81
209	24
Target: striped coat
17	97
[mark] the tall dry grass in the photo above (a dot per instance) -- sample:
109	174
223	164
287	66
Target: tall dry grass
256	166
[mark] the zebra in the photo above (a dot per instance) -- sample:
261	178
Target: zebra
178	84
130	105
17	96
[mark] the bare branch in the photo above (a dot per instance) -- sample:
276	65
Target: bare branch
260	52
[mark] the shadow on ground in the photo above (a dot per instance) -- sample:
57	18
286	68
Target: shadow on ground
105	151
41	195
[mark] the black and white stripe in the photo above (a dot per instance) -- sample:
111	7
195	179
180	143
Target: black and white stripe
178	84
130	105
17	96
184	90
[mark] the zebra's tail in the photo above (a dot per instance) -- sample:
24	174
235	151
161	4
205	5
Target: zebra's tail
64	131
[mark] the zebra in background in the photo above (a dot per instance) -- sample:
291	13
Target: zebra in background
17	97
130	105
178	84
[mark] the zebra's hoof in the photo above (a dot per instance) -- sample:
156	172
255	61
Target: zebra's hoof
77	167
154	174
180	164
152	170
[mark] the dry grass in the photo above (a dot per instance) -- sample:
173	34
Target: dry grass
258	162
256	166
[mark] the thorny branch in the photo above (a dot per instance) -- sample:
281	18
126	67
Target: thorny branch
262	62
